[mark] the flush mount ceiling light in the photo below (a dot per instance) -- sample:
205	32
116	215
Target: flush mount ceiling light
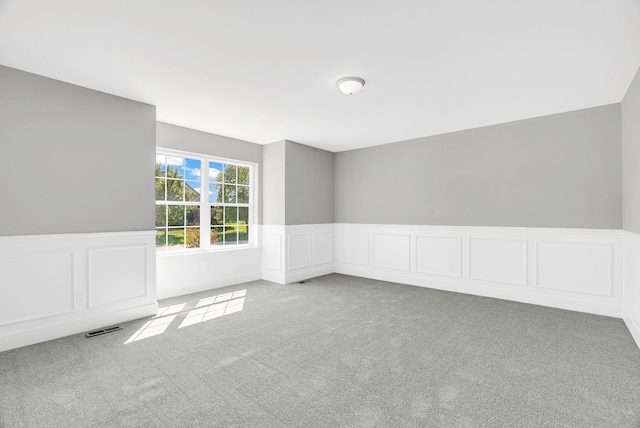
350	85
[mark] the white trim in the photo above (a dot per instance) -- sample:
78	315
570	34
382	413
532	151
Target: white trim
72	286
524	260
26	287
276	277
197	287
450	273
513	278
493	290
216	249
631	275
40	239
205	205
610	248
91	255
212	269
307	259
183	273
286	260
633	326
201	156
308	274
55	330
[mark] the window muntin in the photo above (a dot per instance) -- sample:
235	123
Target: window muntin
186	219
229	202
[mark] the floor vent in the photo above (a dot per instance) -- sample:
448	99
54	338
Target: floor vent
102	331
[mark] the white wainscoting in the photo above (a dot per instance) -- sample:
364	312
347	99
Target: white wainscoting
56	285
439	255
191	272
498	260
632	284
575	269
296	253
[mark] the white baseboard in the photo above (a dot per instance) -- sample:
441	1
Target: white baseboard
197	287
309	273
491	290
297	252
193	272
574	269
276	277
634	327
631	262
42	333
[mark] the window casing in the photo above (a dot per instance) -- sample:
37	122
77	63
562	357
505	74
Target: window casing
188	217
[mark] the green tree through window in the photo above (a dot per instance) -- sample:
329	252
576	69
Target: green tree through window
181	203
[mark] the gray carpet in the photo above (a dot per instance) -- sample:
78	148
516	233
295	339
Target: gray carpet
338	351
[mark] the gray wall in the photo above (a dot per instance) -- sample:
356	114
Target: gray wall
308	185
631	157
562	170
73	159
179	138
273	183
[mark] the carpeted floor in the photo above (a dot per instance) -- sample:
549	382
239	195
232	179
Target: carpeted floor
336	351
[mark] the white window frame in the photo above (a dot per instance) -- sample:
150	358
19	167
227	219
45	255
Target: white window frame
205	205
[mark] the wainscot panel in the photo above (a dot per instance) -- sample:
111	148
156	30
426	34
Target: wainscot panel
632	284
193	272
308	252
575	269
57	285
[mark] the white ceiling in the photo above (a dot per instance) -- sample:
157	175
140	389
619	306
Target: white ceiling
265	71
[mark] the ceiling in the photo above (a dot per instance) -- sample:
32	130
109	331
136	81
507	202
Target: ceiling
264	71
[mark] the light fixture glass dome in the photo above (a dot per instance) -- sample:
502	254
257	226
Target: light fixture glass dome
350	85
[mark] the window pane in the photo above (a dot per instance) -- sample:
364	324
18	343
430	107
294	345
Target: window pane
161	215
193	237
175	167
161	165
192	191
215	172
243	215
217	235
161	184
243	228
243	175
175	190
176	238
176	215
214	193
217	216
192	169
230	236
230	215
229	194
161	237
182	192
230	174
243	195
230	221
243	234
193	215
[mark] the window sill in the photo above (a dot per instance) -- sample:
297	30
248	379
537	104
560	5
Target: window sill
247	249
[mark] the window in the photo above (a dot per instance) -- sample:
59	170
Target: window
187	216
